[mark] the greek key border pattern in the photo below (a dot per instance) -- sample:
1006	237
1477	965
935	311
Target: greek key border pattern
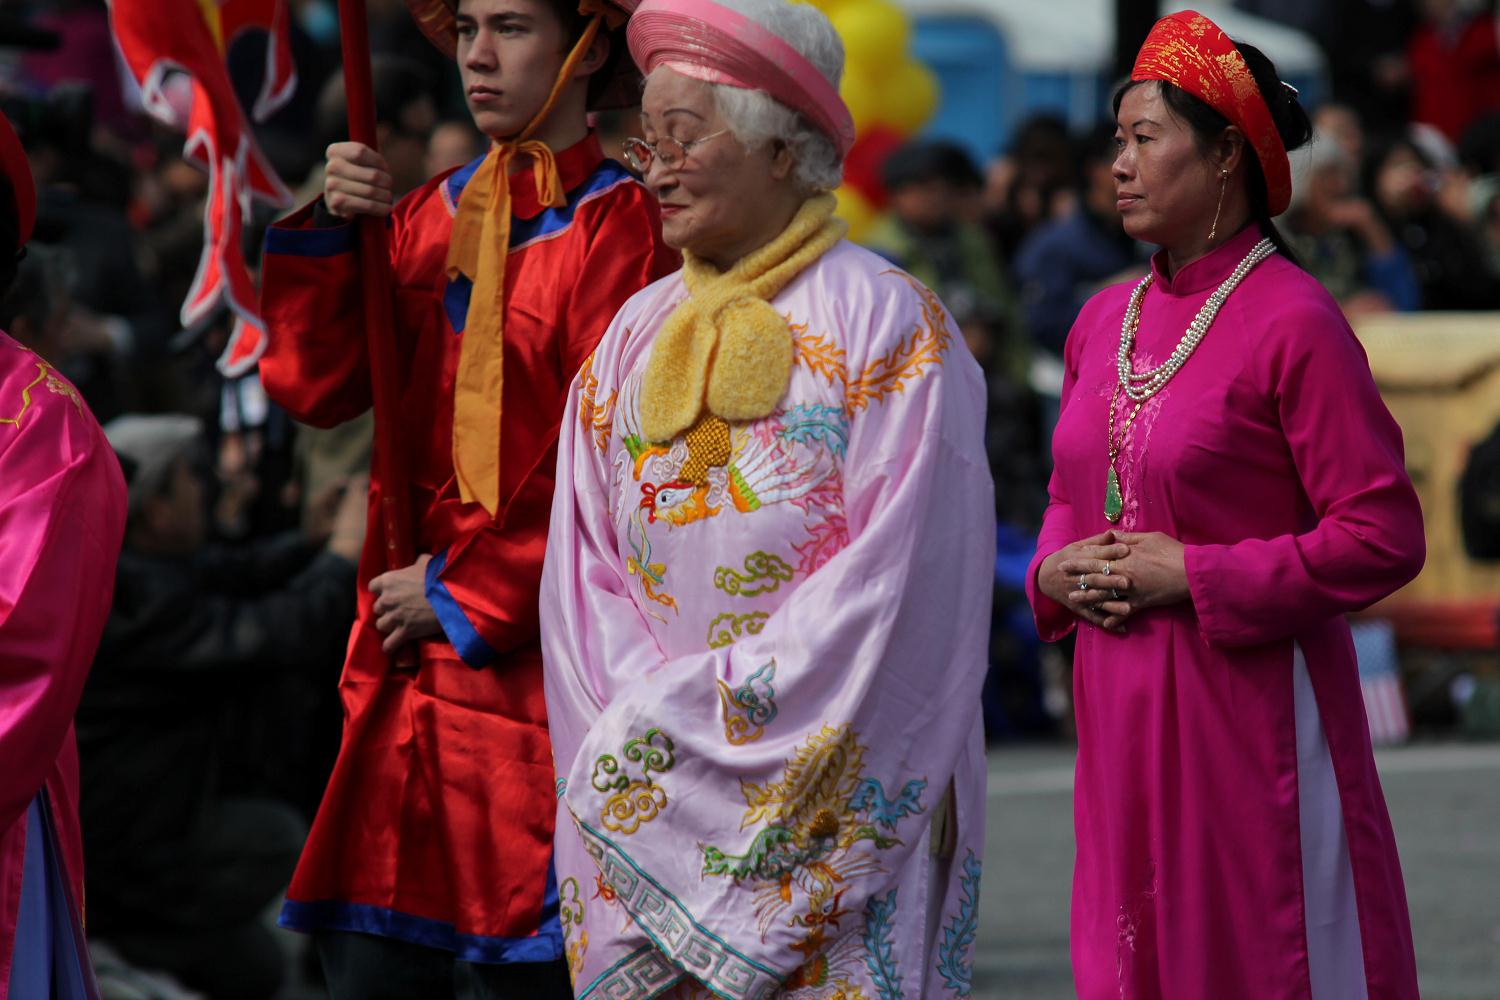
641	975
672	928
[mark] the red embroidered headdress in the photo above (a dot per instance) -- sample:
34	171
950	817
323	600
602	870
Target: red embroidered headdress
1189	51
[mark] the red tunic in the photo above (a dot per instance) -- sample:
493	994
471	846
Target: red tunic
437	824
1455	75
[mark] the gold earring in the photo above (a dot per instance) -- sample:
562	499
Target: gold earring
1223	185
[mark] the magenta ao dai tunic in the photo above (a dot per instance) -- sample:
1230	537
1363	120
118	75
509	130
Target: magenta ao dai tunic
1232	837
763	690
62	517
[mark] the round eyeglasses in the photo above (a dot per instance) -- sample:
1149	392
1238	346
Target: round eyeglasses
669	152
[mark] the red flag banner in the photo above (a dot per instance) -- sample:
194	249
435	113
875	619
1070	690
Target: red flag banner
166	41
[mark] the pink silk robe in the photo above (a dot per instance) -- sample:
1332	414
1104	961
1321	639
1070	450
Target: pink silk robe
62	517
1219	854
764	692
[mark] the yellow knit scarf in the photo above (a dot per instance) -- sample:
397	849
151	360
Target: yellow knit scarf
726	348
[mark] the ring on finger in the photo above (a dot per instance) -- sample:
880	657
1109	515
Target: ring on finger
1114	595
1106	569
1083	583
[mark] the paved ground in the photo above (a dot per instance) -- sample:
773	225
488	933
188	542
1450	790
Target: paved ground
1445	805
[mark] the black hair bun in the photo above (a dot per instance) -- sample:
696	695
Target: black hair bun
1287	113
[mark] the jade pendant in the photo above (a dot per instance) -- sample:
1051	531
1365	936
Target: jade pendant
1114	504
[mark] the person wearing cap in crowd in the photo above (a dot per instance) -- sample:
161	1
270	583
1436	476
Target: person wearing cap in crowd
187	842
433	844
930	232
1227	486
765	607
62	516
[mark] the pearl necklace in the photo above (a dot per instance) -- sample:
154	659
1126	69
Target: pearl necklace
1141	386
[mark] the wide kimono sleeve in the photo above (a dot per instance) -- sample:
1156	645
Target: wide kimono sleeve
62	518
1366	538
824	742
1059	528
316	364
484	586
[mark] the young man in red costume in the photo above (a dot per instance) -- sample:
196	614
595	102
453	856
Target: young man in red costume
430	857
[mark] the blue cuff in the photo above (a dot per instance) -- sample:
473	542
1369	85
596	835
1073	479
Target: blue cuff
327	242
466	640
335	915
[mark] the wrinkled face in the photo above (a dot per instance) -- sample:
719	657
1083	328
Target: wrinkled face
509	54
717	196
1166	190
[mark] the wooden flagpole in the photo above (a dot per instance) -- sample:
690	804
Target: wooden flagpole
376	285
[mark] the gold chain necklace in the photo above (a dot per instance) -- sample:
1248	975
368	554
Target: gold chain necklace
1141	386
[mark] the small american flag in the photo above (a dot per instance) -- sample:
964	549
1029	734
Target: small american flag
1380	680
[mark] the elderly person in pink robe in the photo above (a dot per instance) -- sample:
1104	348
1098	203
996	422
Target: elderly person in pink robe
766	598
62	516
1228	485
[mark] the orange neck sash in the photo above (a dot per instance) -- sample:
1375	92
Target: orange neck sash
478	251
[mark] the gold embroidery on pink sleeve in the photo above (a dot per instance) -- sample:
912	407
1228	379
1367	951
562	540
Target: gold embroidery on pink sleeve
591	416
818	353
908	361
15	421
61	386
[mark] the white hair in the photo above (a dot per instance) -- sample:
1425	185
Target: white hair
756	119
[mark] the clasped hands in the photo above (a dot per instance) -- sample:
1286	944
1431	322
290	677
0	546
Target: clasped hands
1108	578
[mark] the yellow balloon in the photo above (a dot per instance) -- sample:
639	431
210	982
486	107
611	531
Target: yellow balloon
875	33
862	93
906	97
855	209
831	7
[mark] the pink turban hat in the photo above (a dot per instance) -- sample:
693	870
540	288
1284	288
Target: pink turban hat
708	42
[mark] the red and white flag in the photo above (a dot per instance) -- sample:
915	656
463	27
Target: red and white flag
164	39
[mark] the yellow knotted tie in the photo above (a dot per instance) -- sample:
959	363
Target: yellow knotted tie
478	251
725	348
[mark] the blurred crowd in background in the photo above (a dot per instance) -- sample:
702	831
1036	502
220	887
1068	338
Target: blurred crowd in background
212	716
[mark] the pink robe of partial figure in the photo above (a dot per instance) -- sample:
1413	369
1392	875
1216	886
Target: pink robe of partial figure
764	690
62	516
1232	837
